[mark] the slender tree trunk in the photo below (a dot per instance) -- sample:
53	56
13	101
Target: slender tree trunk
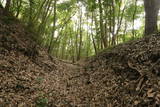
72	46
30	13
113	23
76	41
124	31
110	26
54	26
94	43
1	6
101	24
8	3
88	38
98	41
133	23
19	4
63	51
80	34
45	16
120	19
36	16
106	31
151	14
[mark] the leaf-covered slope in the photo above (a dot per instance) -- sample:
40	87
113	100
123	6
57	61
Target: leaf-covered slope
130	72
28	75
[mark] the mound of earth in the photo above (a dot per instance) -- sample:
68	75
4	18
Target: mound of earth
128	74
28	75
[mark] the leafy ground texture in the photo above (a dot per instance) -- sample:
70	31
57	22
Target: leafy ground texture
127	75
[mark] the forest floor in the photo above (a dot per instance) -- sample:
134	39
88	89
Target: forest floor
128	75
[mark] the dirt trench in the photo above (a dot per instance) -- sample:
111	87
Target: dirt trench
125	76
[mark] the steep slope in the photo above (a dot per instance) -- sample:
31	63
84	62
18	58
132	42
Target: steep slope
23	65
128	74
28	75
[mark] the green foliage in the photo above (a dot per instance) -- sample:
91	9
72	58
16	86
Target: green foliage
64	6
41	102
39	80
91	5
130	11
39	17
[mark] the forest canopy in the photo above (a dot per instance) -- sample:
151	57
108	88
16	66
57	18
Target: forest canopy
75	29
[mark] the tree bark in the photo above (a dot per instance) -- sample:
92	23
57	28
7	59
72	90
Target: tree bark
54	26
80	36
151	15
19	4
93	40
8	3
1	5
103	40
30	22
134	15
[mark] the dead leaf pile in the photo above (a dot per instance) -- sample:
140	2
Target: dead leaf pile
135	68
28	75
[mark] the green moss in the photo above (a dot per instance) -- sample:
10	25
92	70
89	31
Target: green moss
41	102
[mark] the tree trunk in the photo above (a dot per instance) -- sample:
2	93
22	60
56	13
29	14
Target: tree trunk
80	34
54	26
19	4
151	14
134	15
97	40
93	40
30	23
103	40
1	5
8	3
